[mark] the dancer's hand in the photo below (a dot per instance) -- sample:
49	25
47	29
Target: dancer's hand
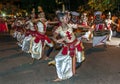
118	25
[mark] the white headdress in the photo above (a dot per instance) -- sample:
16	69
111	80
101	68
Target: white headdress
75	13
98	13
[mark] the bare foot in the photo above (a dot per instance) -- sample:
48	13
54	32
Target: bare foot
51	62
57	80
32	61
47	58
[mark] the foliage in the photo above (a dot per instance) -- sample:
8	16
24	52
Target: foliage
102	5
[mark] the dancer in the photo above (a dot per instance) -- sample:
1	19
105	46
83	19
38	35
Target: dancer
18	32
84	19
30	32
72	50
84	22
41	39
108	22
76	20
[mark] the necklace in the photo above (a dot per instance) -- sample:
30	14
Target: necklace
64	27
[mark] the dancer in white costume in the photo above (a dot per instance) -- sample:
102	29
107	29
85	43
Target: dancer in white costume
40	39
29	34
71	52
108	22
18	31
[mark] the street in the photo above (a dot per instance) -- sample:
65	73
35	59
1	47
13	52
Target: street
102	65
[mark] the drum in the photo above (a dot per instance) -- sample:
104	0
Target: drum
80	31
101	33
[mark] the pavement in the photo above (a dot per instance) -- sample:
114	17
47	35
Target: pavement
115	41
100	67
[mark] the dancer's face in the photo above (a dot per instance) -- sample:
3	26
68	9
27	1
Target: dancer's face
98	16
64	19
108	16
40	9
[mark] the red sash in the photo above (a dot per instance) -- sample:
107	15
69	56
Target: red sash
41	37
71	47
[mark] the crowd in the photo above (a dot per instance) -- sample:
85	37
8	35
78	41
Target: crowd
68	29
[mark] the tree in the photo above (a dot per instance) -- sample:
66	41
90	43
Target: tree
102	5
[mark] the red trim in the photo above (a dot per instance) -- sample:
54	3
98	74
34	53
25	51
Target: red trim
71	47
41	37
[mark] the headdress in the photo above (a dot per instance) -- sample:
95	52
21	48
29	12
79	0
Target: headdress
74	13
60	14
98	13
109	14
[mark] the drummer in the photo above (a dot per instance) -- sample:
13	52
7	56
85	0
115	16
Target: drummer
99	29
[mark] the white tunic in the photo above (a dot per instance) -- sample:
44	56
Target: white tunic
64	62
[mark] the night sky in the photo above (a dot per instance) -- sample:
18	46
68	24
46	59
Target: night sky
48	5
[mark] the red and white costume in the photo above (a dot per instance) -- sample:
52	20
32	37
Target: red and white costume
3	26
18	32
40	40
84	19
72	47
98	26
108	22
98	40
29	34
